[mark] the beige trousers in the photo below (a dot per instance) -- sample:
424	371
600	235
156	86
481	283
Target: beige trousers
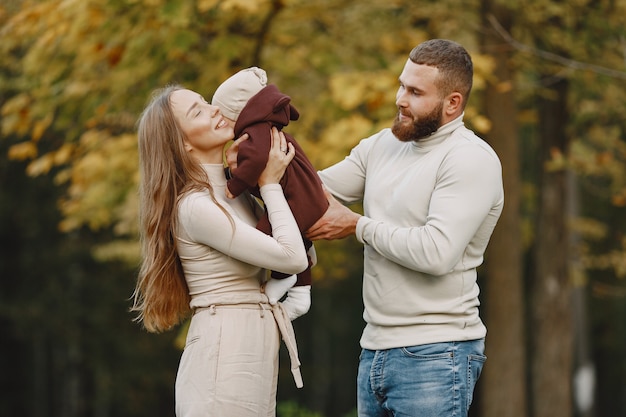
229	367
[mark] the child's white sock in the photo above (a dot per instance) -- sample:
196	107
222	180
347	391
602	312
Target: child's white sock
298	301
276	288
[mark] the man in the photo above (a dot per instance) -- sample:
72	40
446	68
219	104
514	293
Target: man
432	194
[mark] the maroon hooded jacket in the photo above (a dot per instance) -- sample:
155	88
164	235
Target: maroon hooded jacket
301	184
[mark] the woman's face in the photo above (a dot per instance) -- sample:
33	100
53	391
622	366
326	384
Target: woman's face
204	126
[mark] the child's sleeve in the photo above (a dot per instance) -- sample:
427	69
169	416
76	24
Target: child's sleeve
251	158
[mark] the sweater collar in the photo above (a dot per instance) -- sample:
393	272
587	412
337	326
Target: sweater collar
216	174
439	135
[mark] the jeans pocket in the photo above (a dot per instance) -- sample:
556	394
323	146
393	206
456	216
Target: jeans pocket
475	365
431	351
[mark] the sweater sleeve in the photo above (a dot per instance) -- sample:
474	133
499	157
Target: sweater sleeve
345	180
464	207
206	223
251	158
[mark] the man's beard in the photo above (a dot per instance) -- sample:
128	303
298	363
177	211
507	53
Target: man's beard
421	127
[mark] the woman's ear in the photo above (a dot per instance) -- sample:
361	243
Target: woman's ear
187	146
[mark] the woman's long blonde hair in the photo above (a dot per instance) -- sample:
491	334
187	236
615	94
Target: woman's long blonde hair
167	171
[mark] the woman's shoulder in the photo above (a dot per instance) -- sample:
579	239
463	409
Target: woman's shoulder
190	200
192	195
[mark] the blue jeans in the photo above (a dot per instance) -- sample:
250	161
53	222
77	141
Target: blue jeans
434	380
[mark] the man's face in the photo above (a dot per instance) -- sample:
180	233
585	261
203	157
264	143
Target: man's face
420	106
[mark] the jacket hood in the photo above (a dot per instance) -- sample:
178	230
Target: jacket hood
268	105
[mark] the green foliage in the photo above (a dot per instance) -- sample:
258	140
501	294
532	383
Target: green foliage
292	409
102	60
583	42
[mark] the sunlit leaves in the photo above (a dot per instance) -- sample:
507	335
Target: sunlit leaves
78	72
248	5
16	115
23	151
369	88
337	139
584	42
127	251
614	260
479	123
102	177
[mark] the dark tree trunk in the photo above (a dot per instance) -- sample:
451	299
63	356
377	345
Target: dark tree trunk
503	390
551	304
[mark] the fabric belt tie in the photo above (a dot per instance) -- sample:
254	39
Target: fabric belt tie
289	337
284	326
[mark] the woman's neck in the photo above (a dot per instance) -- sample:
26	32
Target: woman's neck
213	157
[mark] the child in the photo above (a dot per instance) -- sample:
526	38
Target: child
253	106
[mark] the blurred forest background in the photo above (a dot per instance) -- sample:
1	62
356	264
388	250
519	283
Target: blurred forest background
549	96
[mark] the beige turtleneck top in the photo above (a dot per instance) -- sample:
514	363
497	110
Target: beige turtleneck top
224	260
429	210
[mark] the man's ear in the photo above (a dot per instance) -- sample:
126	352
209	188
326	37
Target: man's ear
454	103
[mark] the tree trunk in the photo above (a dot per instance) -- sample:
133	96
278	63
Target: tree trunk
503	383
551	310
583	368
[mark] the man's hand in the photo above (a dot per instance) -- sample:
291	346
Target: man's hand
338	222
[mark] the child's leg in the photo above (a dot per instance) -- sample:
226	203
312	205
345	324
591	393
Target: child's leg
298	301
275	289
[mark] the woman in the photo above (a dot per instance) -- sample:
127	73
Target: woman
202	252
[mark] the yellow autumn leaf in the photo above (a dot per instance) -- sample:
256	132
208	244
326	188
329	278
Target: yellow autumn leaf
347	90
206	5
483	70
40	166
481	124
557	162
40	127
22	151
128	214
17	123
339	138
78	89
16	104
128	251
248	5
63	155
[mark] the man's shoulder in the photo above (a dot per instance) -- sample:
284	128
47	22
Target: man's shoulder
467	141
378	145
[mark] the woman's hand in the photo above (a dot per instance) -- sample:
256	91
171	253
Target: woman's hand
281	154
231	158
233	150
